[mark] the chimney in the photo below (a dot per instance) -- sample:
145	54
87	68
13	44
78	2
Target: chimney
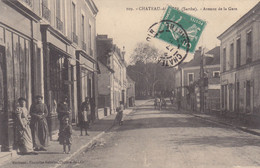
102	36
123	53
197	53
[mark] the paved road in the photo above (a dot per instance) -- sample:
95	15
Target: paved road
168	139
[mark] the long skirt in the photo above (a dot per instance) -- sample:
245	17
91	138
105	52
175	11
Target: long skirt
24	139
40	133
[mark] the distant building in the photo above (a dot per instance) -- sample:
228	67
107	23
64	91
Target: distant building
240	65
112	83
194	88
130	92
104	86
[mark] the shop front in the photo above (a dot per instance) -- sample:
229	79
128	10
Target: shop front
16	52
58	73
86	79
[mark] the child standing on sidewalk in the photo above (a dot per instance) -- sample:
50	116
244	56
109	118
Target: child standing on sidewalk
119	116
65	134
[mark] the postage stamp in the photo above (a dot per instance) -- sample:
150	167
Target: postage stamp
173	55
192	25
179	32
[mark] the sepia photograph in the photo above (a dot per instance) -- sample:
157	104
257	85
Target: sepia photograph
129	83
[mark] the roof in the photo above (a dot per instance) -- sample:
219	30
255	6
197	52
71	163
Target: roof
92	6
243	18
216	56
215	60
108	68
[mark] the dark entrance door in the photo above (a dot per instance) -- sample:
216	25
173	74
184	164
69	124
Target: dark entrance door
89	88
237	97
230	97
248	94
123	96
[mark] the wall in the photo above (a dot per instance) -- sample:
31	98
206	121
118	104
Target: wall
246	72
104	80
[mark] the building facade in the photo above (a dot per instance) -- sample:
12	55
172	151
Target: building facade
112	83
130	92
20	55
240	62
42	48
119	81
104	87
199	92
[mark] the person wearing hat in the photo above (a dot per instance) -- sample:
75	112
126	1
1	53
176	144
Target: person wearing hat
39	126
84	116
63	110
23	139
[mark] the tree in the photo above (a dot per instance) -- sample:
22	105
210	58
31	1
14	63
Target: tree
145	53
150	77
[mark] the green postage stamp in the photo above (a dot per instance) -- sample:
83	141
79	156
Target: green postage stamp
172	34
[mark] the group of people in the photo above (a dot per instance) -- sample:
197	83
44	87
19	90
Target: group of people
32	133
159	103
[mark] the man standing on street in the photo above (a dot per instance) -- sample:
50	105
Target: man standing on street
85	116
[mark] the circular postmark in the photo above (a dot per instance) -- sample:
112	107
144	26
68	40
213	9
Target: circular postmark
177	41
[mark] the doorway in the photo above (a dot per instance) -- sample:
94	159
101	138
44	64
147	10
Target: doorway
248	95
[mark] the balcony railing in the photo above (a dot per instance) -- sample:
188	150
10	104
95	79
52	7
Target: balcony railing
46	13
84	46
59	24
29	2
75	38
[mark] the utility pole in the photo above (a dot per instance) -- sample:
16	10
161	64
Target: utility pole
203	78
202	88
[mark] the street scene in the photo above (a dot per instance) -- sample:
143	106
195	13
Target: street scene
157	138
120	83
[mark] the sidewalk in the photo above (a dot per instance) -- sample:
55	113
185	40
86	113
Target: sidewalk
234	122
54	156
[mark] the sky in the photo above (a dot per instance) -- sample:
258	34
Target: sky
127	21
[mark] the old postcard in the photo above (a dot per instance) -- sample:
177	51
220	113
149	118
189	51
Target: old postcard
130	83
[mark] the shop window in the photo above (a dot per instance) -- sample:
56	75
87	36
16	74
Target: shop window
59	74
16	55
9	69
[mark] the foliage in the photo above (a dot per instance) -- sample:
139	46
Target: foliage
151	78
145	53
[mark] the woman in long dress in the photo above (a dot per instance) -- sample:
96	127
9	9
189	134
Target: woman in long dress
39	125
23	131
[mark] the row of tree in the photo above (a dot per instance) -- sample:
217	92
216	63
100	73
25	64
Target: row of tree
152	79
